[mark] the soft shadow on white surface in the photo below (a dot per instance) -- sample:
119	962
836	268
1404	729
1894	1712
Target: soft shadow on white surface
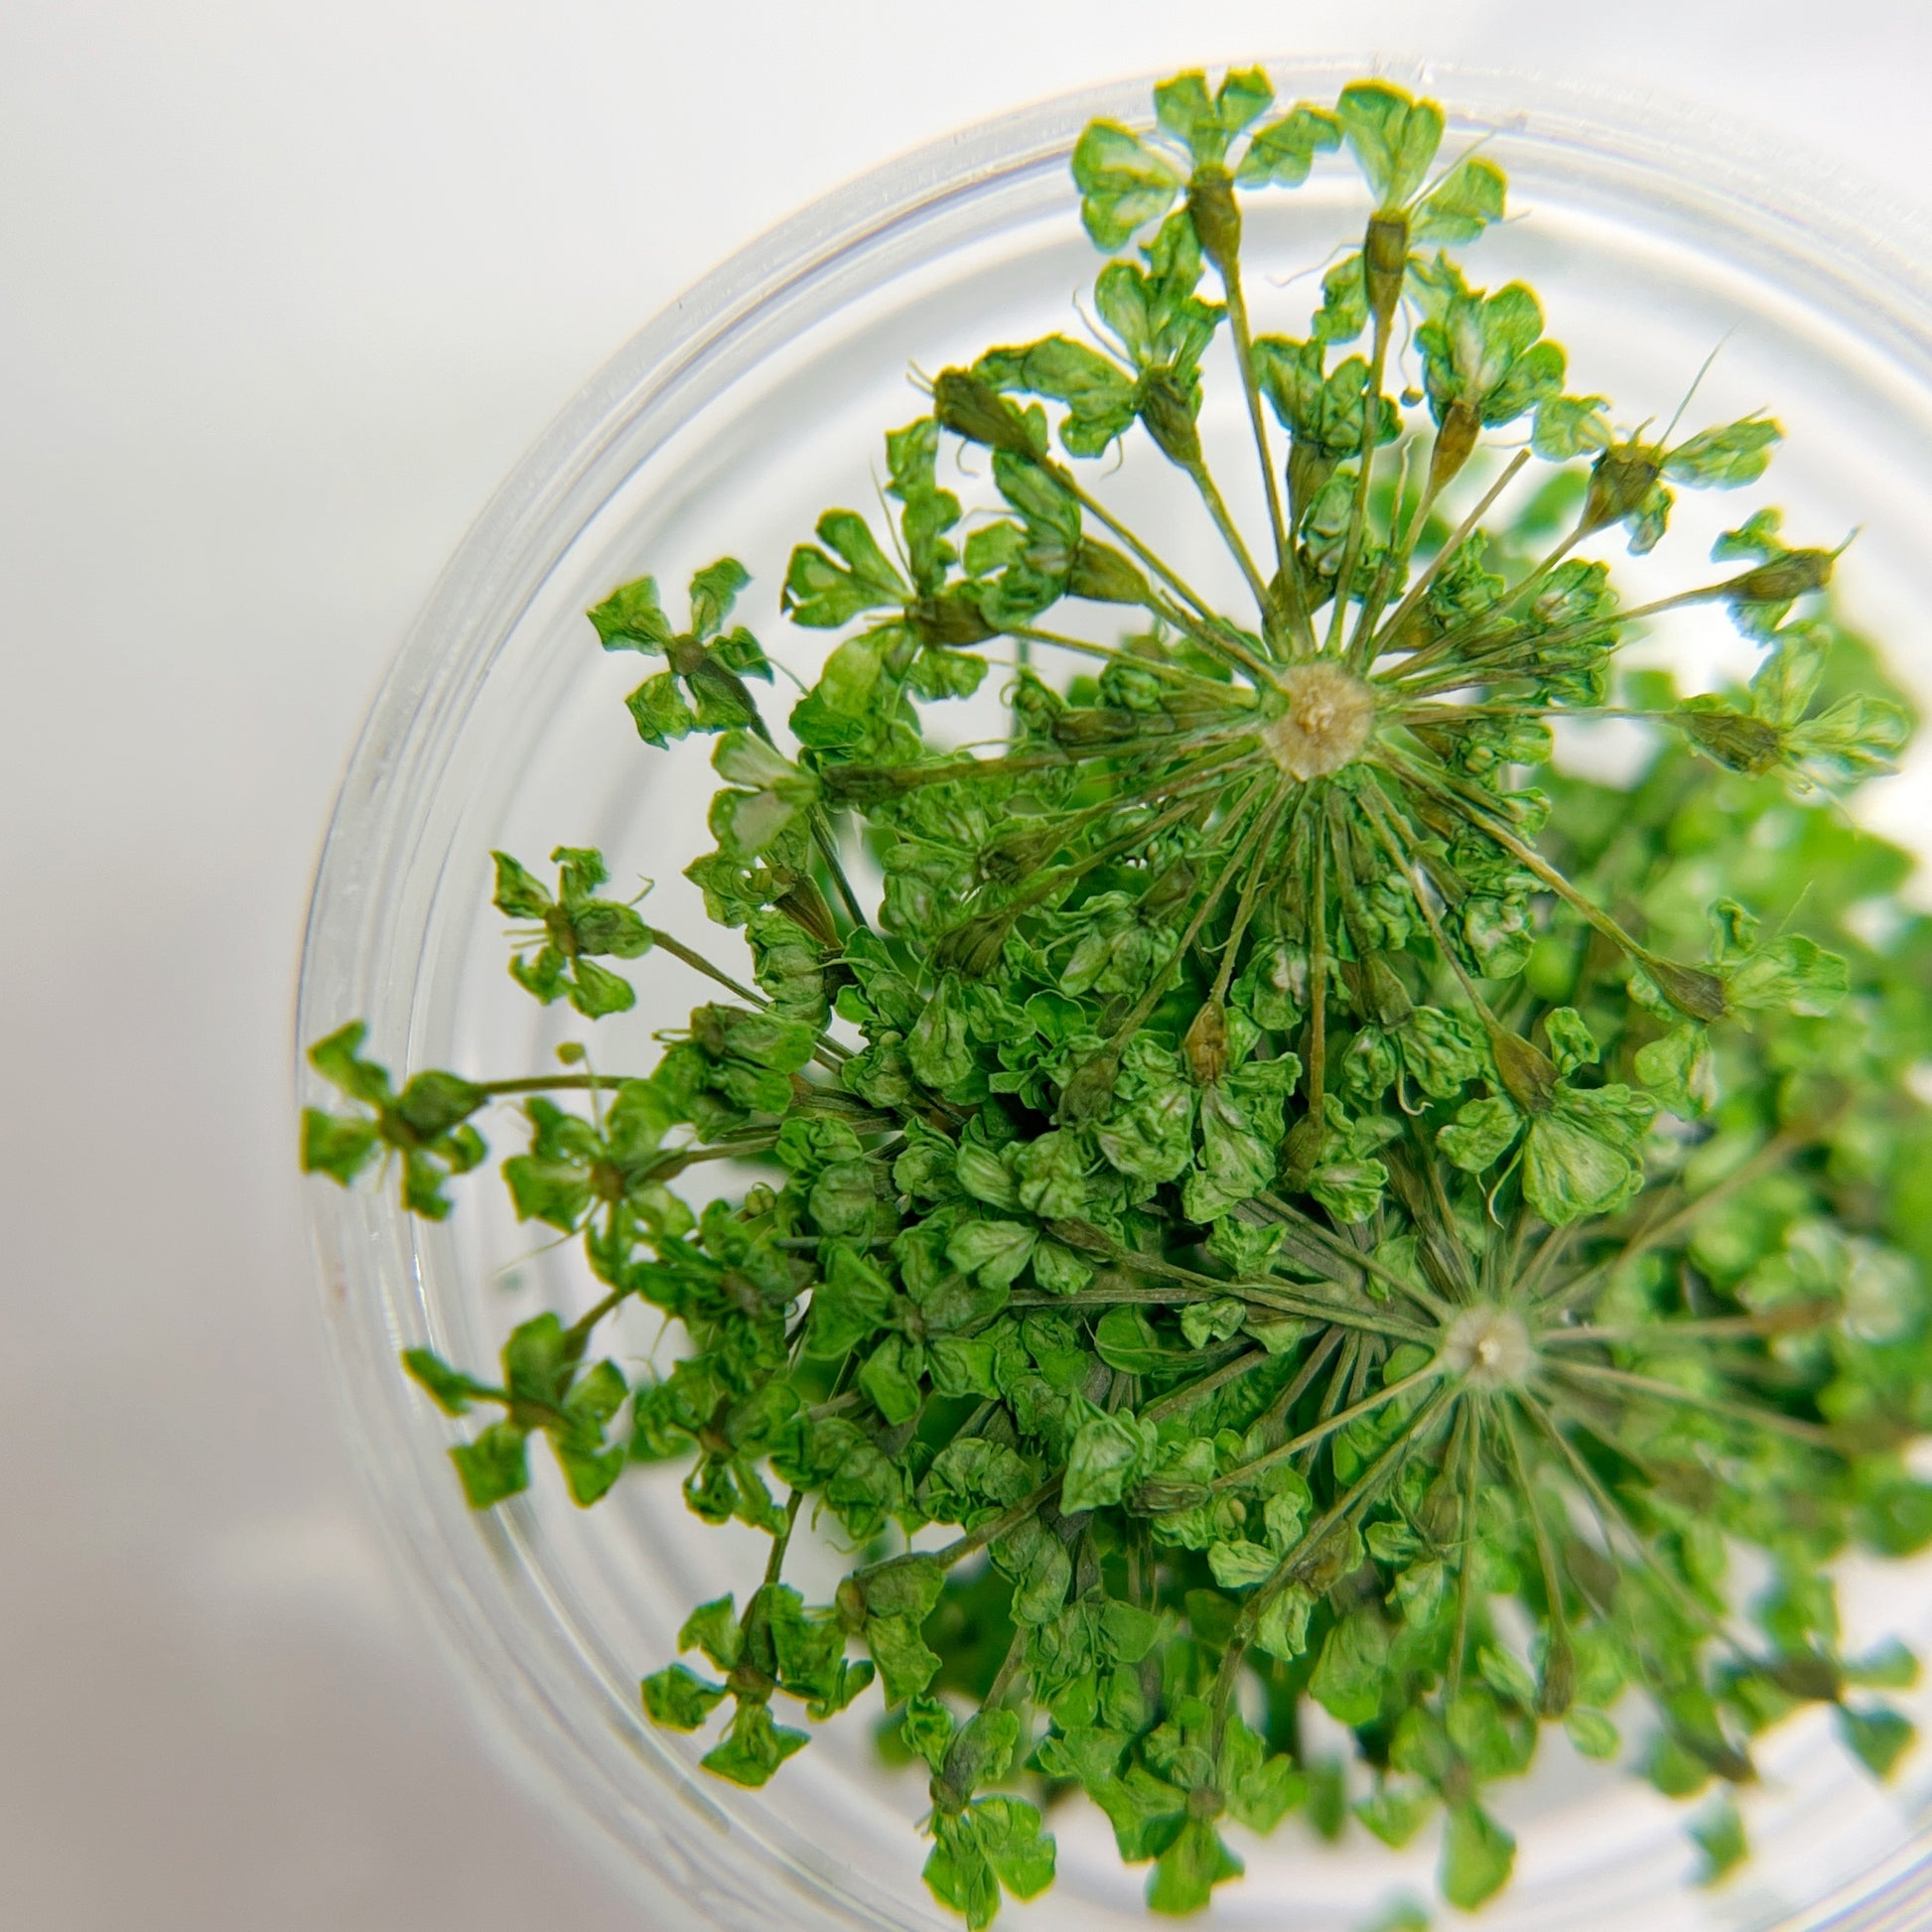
286	291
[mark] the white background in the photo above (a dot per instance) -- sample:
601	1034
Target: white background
284	291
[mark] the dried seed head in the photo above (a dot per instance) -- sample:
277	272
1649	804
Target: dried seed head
973	948
971	407
1169	413
1619	481
1385	262
1489	1345
1102	574
1528	1073
952	620
1206	1044
1793	575
1330	715
1216	217
1691	990
1559	1691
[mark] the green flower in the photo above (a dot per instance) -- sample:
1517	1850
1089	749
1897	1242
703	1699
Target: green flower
576	924
425	1126
704	689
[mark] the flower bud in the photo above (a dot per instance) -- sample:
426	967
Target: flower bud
1442	1509
1529	1075
1741	744
1216	217
1172	887
1309	466
1018	853
1170	420
1079	730
1160	1494
1340	1553
953	619
849	1602
1695	994
1815	1679
1619	480
971	407
1301	1151
1384	261
1783	577
1102	574
1455	440
1559	1690
1205	1043
1383	992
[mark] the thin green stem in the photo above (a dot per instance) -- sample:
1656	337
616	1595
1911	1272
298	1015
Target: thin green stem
1060	877
1452	640
1218	508
1351	548
1546	1556
1244	1472
963	1546
1175	1400
1245	905
828	851
1214	639
1484	667
1282	1297
1101	515
1361	643
1467	1555
1287	564
1358	1496
1398	849
1283	1405
1154	667
1813	1435
1354	1257
1668	1333
1608	1510
1387	634
1157	985
1010	1668
1450	792
781	1539
1318	1068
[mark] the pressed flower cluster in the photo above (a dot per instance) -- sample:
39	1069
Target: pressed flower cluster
1276	1196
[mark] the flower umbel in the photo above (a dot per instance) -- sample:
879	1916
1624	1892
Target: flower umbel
1288	1195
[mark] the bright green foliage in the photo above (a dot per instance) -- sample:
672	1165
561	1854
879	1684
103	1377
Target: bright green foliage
1282	1196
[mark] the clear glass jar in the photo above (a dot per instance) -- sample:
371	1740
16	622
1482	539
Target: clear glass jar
726	426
